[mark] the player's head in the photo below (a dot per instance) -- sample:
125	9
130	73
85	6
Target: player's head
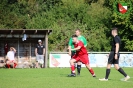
11	48
114	31
39	41
74	38
77	32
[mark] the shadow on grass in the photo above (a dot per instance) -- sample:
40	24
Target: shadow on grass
66	75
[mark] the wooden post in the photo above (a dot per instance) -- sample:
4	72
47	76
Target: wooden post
46	49
30	51
18	50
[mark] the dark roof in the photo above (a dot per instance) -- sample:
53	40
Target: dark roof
25	31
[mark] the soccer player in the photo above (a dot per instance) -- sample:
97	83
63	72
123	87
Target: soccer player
114	56
10	57
80	55
71	53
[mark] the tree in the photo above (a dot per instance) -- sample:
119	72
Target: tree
94	17
124	22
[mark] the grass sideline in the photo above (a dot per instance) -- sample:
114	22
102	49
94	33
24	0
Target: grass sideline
57	78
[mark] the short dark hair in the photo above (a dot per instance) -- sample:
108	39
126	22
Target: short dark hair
78	30
115	28
74	36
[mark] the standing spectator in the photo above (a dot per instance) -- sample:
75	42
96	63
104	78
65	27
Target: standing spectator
40	52
10	58
71	46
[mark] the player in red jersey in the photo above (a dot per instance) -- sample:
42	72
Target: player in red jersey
81	55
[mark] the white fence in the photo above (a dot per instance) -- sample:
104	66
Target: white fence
97	59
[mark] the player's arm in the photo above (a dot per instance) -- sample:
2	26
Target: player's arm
69	46
80	44
69	50
14	49
35	51
77	48
116	48
84	41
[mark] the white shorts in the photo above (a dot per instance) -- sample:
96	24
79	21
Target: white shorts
40	59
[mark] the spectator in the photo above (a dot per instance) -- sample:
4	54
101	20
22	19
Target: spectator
10	58
6	48
39	52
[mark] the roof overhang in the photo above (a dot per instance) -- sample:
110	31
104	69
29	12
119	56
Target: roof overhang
18	33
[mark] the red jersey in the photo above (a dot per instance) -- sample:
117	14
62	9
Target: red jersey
82	50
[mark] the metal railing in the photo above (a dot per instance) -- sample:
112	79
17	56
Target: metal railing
91	52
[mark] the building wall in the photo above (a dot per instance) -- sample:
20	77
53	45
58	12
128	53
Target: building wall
24	52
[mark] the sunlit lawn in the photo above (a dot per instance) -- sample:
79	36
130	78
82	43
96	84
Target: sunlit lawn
57	78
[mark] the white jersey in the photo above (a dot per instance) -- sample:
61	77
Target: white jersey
10	55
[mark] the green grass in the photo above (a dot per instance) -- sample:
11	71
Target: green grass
57	78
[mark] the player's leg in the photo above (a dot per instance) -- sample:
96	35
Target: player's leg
110	62
85	60
36	64
116	65
42	61
78	67
14	64
37	59
8	64
108	71
72	61
90	70
72	54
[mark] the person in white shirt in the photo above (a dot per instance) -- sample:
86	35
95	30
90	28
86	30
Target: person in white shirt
10	58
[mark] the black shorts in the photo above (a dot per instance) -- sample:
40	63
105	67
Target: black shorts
112	59
72	53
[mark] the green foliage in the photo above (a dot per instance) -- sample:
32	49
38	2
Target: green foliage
94	17
129	45
124	22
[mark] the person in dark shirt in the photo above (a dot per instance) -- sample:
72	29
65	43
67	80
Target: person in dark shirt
40	52
114	56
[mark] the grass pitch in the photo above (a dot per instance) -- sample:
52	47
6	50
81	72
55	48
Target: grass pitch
57	78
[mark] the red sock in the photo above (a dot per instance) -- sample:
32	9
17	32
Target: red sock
15	65
8	65
73	68
91	71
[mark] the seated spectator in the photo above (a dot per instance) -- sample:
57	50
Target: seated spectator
10	58
2	62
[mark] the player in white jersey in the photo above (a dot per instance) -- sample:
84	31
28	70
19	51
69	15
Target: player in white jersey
10	57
